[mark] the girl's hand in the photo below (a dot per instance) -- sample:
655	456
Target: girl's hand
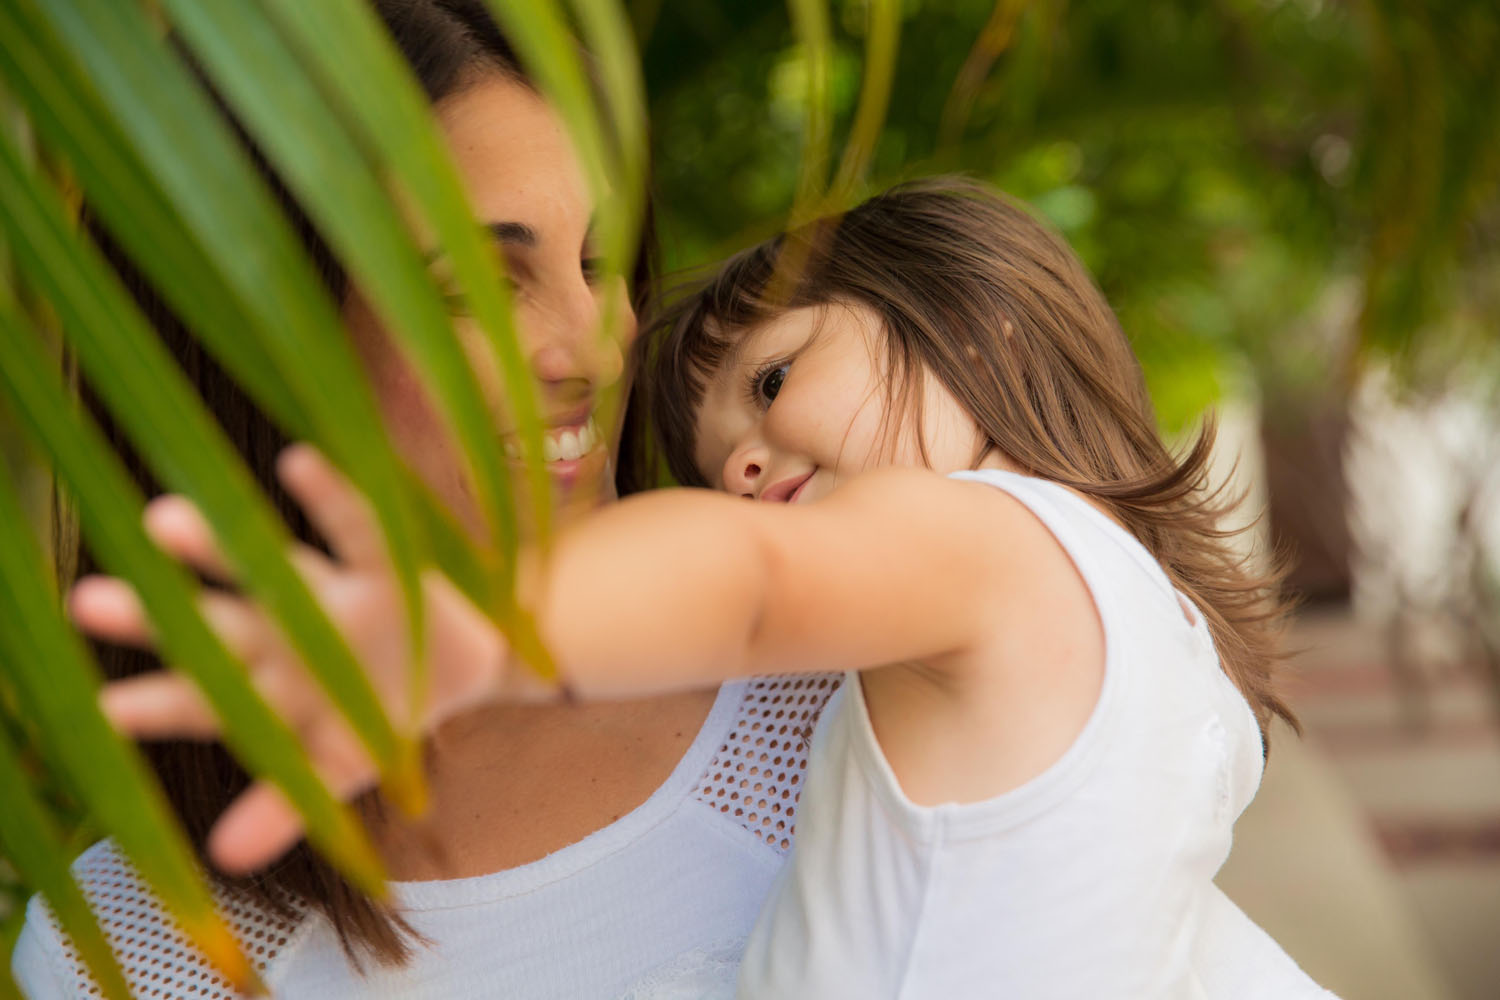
360	593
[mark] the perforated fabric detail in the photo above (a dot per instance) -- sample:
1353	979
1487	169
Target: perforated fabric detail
155	956
756	777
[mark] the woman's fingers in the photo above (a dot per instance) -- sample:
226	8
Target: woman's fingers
257	828
240	626
162	705
337	509
166	706
341	760
108	608
158	706
181	531
261	825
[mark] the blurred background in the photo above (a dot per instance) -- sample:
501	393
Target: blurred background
1294	206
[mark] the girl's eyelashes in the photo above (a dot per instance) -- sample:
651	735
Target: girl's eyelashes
592	268
765	383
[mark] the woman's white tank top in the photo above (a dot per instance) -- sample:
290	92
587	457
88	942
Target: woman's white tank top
685	873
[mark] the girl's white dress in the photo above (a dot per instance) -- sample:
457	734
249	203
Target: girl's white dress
1093	880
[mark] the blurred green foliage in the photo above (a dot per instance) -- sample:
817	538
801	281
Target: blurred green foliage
1224	167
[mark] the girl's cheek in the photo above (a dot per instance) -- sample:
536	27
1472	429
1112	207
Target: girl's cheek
783	424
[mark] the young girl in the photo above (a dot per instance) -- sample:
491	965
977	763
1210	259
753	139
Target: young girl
1059	672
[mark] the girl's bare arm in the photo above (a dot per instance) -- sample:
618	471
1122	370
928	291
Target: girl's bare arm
669	590
686	587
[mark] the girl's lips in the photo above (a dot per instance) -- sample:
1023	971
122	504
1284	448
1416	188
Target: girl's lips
785	491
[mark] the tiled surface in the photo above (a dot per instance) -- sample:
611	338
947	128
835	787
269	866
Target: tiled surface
1373	850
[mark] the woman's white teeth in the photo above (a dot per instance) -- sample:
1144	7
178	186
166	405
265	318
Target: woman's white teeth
568	445
563	446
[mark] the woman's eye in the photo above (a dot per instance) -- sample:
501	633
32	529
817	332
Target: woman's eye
769	384
592	268
456	303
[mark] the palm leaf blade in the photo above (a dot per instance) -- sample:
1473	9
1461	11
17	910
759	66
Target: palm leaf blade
32	843
108	507
184	143
51	673
339	183
344	46
881	42
63	106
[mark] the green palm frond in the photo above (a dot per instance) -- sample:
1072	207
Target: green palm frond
133	101
172	128
49	673
882	38
109	508
814	37
173	431
32	841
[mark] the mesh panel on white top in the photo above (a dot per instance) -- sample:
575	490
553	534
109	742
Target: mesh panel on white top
754	780
155	956
756	777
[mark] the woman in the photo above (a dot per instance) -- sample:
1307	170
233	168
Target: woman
617	836
571	851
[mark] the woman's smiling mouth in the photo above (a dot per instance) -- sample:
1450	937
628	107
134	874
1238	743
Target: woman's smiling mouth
565	448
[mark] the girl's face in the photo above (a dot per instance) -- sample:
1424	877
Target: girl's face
801	405
527	186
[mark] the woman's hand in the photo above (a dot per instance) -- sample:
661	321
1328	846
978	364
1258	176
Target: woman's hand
358	590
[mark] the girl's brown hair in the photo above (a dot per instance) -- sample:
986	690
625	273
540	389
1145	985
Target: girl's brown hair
971	288
449	45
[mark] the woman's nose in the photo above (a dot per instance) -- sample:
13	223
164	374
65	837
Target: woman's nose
743	471
569	342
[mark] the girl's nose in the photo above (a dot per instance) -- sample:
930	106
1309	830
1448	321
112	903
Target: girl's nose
743	471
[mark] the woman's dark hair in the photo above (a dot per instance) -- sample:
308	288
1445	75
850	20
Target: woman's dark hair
449	45
973	289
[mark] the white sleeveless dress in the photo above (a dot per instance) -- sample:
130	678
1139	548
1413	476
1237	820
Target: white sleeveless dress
1092	880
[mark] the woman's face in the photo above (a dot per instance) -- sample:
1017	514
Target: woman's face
529	192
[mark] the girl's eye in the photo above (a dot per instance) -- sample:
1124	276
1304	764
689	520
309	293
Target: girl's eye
592	268
768	383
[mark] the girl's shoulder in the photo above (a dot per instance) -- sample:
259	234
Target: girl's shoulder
1084	624
1102	549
